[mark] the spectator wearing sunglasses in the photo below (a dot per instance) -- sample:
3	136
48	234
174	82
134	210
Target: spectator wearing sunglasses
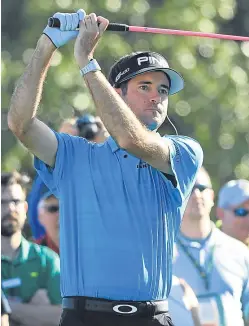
215	265
48	217
233	209
30	273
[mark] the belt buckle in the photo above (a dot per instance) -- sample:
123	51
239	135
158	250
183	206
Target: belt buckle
125	308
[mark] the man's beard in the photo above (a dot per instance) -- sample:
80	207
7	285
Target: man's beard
9	226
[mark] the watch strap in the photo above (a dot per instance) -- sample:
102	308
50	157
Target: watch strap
91	66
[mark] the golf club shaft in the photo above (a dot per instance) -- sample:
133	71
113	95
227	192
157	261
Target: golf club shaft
186	33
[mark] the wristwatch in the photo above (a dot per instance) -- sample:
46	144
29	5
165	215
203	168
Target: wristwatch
91	66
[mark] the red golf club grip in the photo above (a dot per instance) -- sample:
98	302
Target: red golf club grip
55	22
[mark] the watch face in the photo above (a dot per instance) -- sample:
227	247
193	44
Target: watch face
94	65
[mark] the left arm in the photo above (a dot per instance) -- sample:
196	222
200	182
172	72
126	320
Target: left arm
117	117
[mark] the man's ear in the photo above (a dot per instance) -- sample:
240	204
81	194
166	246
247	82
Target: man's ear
219	213
26	206
211	194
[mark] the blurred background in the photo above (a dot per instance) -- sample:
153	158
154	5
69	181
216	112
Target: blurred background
214	106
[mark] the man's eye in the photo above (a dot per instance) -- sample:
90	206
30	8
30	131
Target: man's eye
164	91
144	87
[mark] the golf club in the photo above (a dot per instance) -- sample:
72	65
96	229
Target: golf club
55	22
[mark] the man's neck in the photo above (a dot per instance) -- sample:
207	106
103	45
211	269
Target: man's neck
196	229
10	245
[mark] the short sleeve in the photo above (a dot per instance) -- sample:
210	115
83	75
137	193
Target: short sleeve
186	157
68	146
51	274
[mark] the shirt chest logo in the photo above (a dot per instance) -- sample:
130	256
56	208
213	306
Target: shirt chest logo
142	165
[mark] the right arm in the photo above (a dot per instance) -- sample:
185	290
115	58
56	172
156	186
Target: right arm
22	121
191	302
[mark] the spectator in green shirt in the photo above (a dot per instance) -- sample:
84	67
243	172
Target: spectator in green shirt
30	273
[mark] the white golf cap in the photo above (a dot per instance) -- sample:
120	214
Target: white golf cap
233	193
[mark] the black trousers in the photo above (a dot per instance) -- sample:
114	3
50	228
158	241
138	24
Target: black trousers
71	317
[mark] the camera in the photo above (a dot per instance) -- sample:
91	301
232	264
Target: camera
87	126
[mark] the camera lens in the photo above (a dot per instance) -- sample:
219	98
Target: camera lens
87	127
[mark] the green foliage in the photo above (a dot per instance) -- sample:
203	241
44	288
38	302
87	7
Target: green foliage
213	107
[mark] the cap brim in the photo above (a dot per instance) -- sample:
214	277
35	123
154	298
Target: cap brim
176	80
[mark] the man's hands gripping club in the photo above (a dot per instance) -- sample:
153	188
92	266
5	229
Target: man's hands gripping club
87	37
67	30
91	29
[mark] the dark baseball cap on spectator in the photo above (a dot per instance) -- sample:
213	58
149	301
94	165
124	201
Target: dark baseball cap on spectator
138	63
233	193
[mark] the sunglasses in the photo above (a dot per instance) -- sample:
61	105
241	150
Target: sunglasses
200	187
52	208
241	212
14	201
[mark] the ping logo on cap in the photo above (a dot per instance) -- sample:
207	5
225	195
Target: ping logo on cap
151	60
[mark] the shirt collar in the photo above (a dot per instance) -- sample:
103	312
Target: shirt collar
114	146
24	253
197	243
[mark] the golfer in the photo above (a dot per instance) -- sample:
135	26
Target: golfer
121	202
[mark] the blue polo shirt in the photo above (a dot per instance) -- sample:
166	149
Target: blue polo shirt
118	216
225	261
